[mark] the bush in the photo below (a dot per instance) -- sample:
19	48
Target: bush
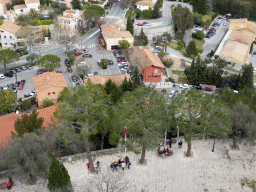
26	155
46	104
170	79
194	35
104	63
26	104
168	63
199	50
44	22
200	35
146	14
58	177
1	21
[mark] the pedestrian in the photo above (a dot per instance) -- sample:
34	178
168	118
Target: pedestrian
98	164
115	166
97	170
8	185
170	142
88	165
126	159
129	164
123	165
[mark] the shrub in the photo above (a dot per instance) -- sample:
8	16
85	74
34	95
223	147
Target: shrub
199	50
44	22
1	21
104	63
170	79
168	63
191	48
194	35
146	14
26	104
200	35
46	104
58	177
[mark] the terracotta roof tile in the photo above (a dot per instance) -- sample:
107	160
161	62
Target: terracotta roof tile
4	2
70	11
20	6
145	58
49	82
10	27
112	31
7	123
68	16
242	36
143	3
102	79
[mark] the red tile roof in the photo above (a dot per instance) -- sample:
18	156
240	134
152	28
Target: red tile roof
7	123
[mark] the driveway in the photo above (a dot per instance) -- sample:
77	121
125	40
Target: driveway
211	43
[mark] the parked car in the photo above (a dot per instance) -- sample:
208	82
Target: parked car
140	24
148	24
12	86
208	35
17	84
6	86
1	76
31	94
1	89
122	62
20	86
11	72
145	22
69	69
18	50
208	88
225	72
225	23
74	78
184	86
199	87
110	62
227	20
212	29
30	67
95	73
23	81
197	28
78	53
85	51
23	68
17	70
217	89
87	55
8	75
77	84
172	93
68	65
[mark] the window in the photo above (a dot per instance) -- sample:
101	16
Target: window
49	93
10	37
156	70
53	92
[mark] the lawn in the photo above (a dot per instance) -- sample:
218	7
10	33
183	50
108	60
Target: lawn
179	73
199	43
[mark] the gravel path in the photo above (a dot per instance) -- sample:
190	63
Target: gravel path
205	170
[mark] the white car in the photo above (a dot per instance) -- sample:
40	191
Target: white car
172	93
198	28
184	86
85	51
1	76
31	94
225	23
148	24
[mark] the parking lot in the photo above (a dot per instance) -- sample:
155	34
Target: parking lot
212	42
27	76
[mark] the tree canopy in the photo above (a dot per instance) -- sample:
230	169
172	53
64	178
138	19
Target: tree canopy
7	101
28	123
8	56
49	62
124	44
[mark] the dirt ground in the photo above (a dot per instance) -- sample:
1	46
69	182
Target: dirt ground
204	170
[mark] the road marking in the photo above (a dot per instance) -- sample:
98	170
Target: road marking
90	36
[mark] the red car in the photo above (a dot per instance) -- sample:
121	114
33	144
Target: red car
78	53
140	24
227	20
212	29
208	88
20	86
40	72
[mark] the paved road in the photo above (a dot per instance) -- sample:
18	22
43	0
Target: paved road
210	44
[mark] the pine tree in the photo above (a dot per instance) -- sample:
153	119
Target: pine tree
191	48
136	78
130	25
58	177
76	4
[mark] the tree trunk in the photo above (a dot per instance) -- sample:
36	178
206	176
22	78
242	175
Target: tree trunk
89	156
234	142
5	68
102	140
189	149
143	153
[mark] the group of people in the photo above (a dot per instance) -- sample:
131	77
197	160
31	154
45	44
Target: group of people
97	168
163	152
123	164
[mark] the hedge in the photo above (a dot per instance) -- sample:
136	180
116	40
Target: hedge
1	21
44	22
